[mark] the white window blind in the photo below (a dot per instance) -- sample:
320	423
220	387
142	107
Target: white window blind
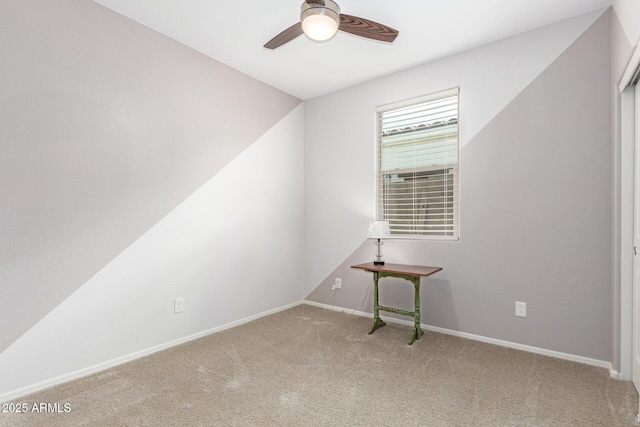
417	171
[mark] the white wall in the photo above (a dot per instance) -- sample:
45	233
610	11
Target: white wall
527	105
135	170
340	128
231	249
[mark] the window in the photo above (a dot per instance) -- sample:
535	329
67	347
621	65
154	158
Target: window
417	166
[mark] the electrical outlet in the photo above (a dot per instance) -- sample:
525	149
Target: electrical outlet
338	284
521	309
178	305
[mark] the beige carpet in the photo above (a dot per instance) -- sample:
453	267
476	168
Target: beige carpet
312	367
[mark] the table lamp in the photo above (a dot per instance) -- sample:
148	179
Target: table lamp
379	230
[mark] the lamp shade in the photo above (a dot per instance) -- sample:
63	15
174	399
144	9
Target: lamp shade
379	230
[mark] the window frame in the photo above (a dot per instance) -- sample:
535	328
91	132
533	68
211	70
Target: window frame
380	173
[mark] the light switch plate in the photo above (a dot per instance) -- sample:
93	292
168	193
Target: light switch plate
178	305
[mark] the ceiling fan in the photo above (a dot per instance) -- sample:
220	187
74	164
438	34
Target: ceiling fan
321	19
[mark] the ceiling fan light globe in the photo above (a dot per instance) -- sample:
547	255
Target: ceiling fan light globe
320	21
320	27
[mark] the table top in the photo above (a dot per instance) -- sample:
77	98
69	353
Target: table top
409	270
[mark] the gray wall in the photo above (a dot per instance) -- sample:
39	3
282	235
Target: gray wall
535	193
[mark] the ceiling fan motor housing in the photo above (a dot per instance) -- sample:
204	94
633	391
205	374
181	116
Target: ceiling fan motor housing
310	12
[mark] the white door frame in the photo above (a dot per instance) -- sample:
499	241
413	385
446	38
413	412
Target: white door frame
627	188
624	240
635	365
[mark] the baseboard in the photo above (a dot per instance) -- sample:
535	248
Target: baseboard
530	349
146	352
127	358
618	375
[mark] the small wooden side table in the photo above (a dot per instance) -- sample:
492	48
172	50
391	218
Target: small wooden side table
412	273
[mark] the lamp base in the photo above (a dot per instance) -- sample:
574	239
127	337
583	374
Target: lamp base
378	260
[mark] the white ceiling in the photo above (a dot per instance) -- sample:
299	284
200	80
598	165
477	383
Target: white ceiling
234	32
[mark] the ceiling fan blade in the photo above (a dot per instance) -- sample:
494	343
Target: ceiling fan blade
284	37
366	28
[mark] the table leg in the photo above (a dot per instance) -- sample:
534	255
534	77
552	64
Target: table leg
377	322
417	332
